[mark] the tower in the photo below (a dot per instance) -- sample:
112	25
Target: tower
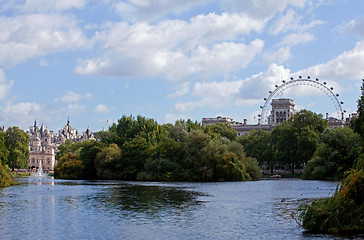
282	110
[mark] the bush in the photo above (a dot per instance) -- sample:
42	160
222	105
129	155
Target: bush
5	177
341	213
69	167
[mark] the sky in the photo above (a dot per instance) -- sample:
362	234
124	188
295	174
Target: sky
95	61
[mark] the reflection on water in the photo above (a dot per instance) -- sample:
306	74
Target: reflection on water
60	209
131	199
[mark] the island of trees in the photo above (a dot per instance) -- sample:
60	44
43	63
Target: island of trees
137	148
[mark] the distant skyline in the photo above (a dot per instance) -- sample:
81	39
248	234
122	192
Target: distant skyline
94	61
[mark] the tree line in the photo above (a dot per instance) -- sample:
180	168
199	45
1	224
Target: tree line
306	142
137	148
14	153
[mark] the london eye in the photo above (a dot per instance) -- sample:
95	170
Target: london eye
307	93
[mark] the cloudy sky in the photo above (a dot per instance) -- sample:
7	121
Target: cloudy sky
95	61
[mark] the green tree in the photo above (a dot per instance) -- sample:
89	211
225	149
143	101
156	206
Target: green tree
68	146
128	128
222	130
17	143
305	118
295	141
107	163
357	124
258	145
69	167
339	149
134	154
178	132
4	153
87	155
166	162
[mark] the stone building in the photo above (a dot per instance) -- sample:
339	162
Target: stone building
282	110
43	144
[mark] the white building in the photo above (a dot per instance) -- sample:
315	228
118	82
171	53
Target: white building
43	144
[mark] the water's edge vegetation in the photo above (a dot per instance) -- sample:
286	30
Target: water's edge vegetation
343	213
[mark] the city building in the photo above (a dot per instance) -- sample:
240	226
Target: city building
43	144
282	110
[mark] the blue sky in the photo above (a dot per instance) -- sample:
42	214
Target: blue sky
95	61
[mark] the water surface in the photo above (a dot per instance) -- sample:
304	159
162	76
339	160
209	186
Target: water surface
43	208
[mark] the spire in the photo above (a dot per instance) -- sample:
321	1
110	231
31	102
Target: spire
68	121
35	122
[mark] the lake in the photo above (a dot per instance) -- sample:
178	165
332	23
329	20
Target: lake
44	208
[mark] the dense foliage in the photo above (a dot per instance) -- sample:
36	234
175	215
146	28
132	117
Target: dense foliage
141	149
290	145
357	124
17	144
341	213
339	155
14	153
5	177
339	148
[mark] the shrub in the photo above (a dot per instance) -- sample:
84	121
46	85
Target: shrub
341	213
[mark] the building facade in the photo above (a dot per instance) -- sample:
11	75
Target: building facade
282	110
43	144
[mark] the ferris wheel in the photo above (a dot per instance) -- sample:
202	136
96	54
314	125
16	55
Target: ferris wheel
307	93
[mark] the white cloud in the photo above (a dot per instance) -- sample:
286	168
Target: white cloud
149	10
5	85
88	95
20	114
217	89
43	62
174	48
280	56
348	65
355	26
43	5
291	21
187	106
75	109
69	97
27	36
262	8
249	91
101	108
297	38
284	23
182	89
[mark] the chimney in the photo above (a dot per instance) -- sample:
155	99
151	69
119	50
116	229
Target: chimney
245	122
327	116
259	122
